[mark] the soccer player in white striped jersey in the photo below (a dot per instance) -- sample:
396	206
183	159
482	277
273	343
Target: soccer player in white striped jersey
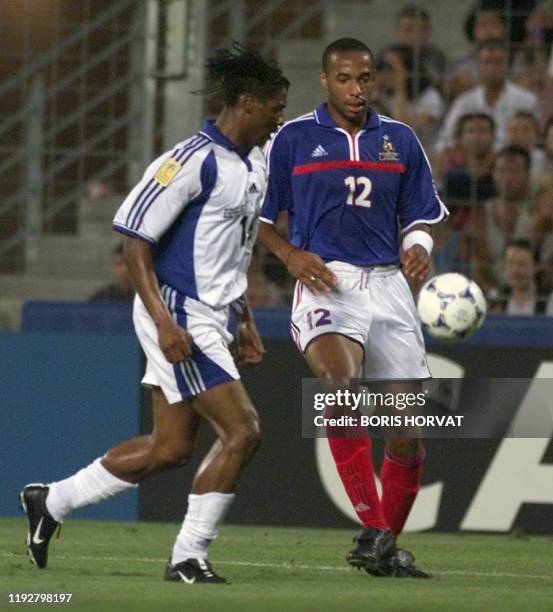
190	223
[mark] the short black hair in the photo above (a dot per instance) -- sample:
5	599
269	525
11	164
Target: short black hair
239	71
514	20
520	243
470	22
515	151
525	245
460	126
412	10
344	45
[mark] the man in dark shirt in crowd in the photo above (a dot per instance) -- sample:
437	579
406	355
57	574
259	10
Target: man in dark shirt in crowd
121	290
465	186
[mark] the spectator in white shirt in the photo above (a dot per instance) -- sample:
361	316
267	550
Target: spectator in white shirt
496	95
462	71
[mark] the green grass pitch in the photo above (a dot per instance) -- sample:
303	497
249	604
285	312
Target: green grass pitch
119	566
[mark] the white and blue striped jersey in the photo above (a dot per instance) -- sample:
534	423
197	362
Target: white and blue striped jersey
198	205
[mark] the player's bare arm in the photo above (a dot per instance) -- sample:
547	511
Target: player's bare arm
174	341
415	260
305	266
250	346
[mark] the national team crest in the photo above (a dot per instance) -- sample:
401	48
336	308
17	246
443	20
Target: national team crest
388	152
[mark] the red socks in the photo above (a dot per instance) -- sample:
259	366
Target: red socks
353	458
400	484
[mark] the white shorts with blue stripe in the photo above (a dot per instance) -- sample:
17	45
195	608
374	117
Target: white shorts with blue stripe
211	363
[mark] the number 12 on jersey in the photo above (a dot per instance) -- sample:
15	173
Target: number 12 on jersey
359	190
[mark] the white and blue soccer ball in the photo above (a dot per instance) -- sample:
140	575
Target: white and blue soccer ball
451	306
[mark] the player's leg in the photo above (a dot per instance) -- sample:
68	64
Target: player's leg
402	466
395	354
171	443
331	330
229	411
400	475
334	357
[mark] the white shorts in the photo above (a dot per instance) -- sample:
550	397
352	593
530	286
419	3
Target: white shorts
211	363
371	306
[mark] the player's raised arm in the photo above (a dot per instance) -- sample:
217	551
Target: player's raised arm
305	266
174	341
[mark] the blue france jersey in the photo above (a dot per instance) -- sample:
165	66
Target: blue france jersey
198	205
347	196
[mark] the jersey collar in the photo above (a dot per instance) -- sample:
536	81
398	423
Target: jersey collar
323	118
212	132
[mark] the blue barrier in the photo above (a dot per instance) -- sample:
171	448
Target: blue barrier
66	399
273	323
76	317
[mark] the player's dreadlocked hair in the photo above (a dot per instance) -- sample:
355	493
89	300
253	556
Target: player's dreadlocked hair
238	71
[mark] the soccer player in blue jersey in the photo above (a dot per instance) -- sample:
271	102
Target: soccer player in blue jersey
360	199
190	224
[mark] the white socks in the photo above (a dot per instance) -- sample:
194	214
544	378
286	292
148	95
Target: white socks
94	483
88	486
200	525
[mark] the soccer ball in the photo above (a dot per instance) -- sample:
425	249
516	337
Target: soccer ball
451	306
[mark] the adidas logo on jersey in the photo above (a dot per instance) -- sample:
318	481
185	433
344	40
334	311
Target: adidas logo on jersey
253	188
319	151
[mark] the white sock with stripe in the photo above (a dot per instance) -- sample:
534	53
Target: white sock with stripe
88	486
201	525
